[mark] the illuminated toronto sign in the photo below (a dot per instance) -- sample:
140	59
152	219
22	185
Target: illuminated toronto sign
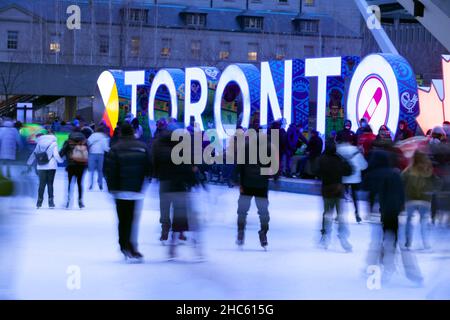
382	89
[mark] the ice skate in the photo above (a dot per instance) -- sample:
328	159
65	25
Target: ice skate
324	243
240	238
81	204
51	204
263	239
164	236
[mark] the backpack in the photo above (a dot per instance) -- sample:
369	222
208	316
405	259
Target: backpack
80	153
42	157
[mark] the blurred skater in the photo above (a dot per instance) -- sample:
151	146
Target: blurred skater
126	167
332	168
388	185
175	182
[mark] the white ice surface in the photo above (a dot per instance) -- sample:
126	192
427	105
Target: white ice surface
46	242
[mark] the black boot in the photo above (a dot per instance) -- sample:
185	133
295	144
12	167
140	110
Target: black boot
39	203
51	203
164	233
263	238
80	203
240	237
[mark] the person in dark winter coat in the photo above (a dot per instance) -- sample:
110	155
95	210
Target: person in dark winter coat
175	182
363	124
388	185
254	184
332	168
76	152
308	164
127	165
403	132
346	134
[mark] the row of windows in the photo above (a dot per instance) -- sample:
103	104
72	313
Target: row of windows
166	45
253	23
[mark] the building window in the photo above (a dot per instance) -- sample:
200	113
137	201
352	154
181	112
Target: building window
282	1
196	49
224	53
165	48
138	15
308	26
13	40
280	52
135	46
196	19
104	45
309	51
55	45
252	52
253	23
310	3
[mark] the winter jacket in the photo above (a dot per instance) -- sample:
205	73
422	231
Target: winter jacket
314	148
9	141
75	138
346	135
175	178
365	141
356	160
252	181
98	143
126	165
385	181
332	167
403	134
418	186
46	143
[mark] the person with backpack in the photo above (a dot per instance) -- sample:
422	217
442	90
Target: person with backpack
76	152
352	182
331	169
47	157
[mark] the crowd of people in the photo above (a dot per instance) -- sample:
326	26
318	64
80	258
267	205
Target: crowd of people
348	164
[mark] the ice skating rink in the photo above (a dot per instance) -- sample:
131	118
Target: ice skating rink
43	250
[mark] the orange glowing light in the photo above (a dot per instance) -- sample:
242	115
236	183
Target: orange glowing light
435	101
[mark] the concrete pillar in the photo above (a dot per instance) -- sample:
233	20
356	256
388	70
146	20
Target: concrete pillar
70	108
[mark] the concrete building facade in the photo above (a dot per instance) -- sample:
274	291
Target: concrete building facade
131	34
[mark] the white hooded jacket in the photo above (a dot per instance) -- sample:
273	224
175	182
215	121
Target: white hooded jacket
356	160
98	143
46	142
